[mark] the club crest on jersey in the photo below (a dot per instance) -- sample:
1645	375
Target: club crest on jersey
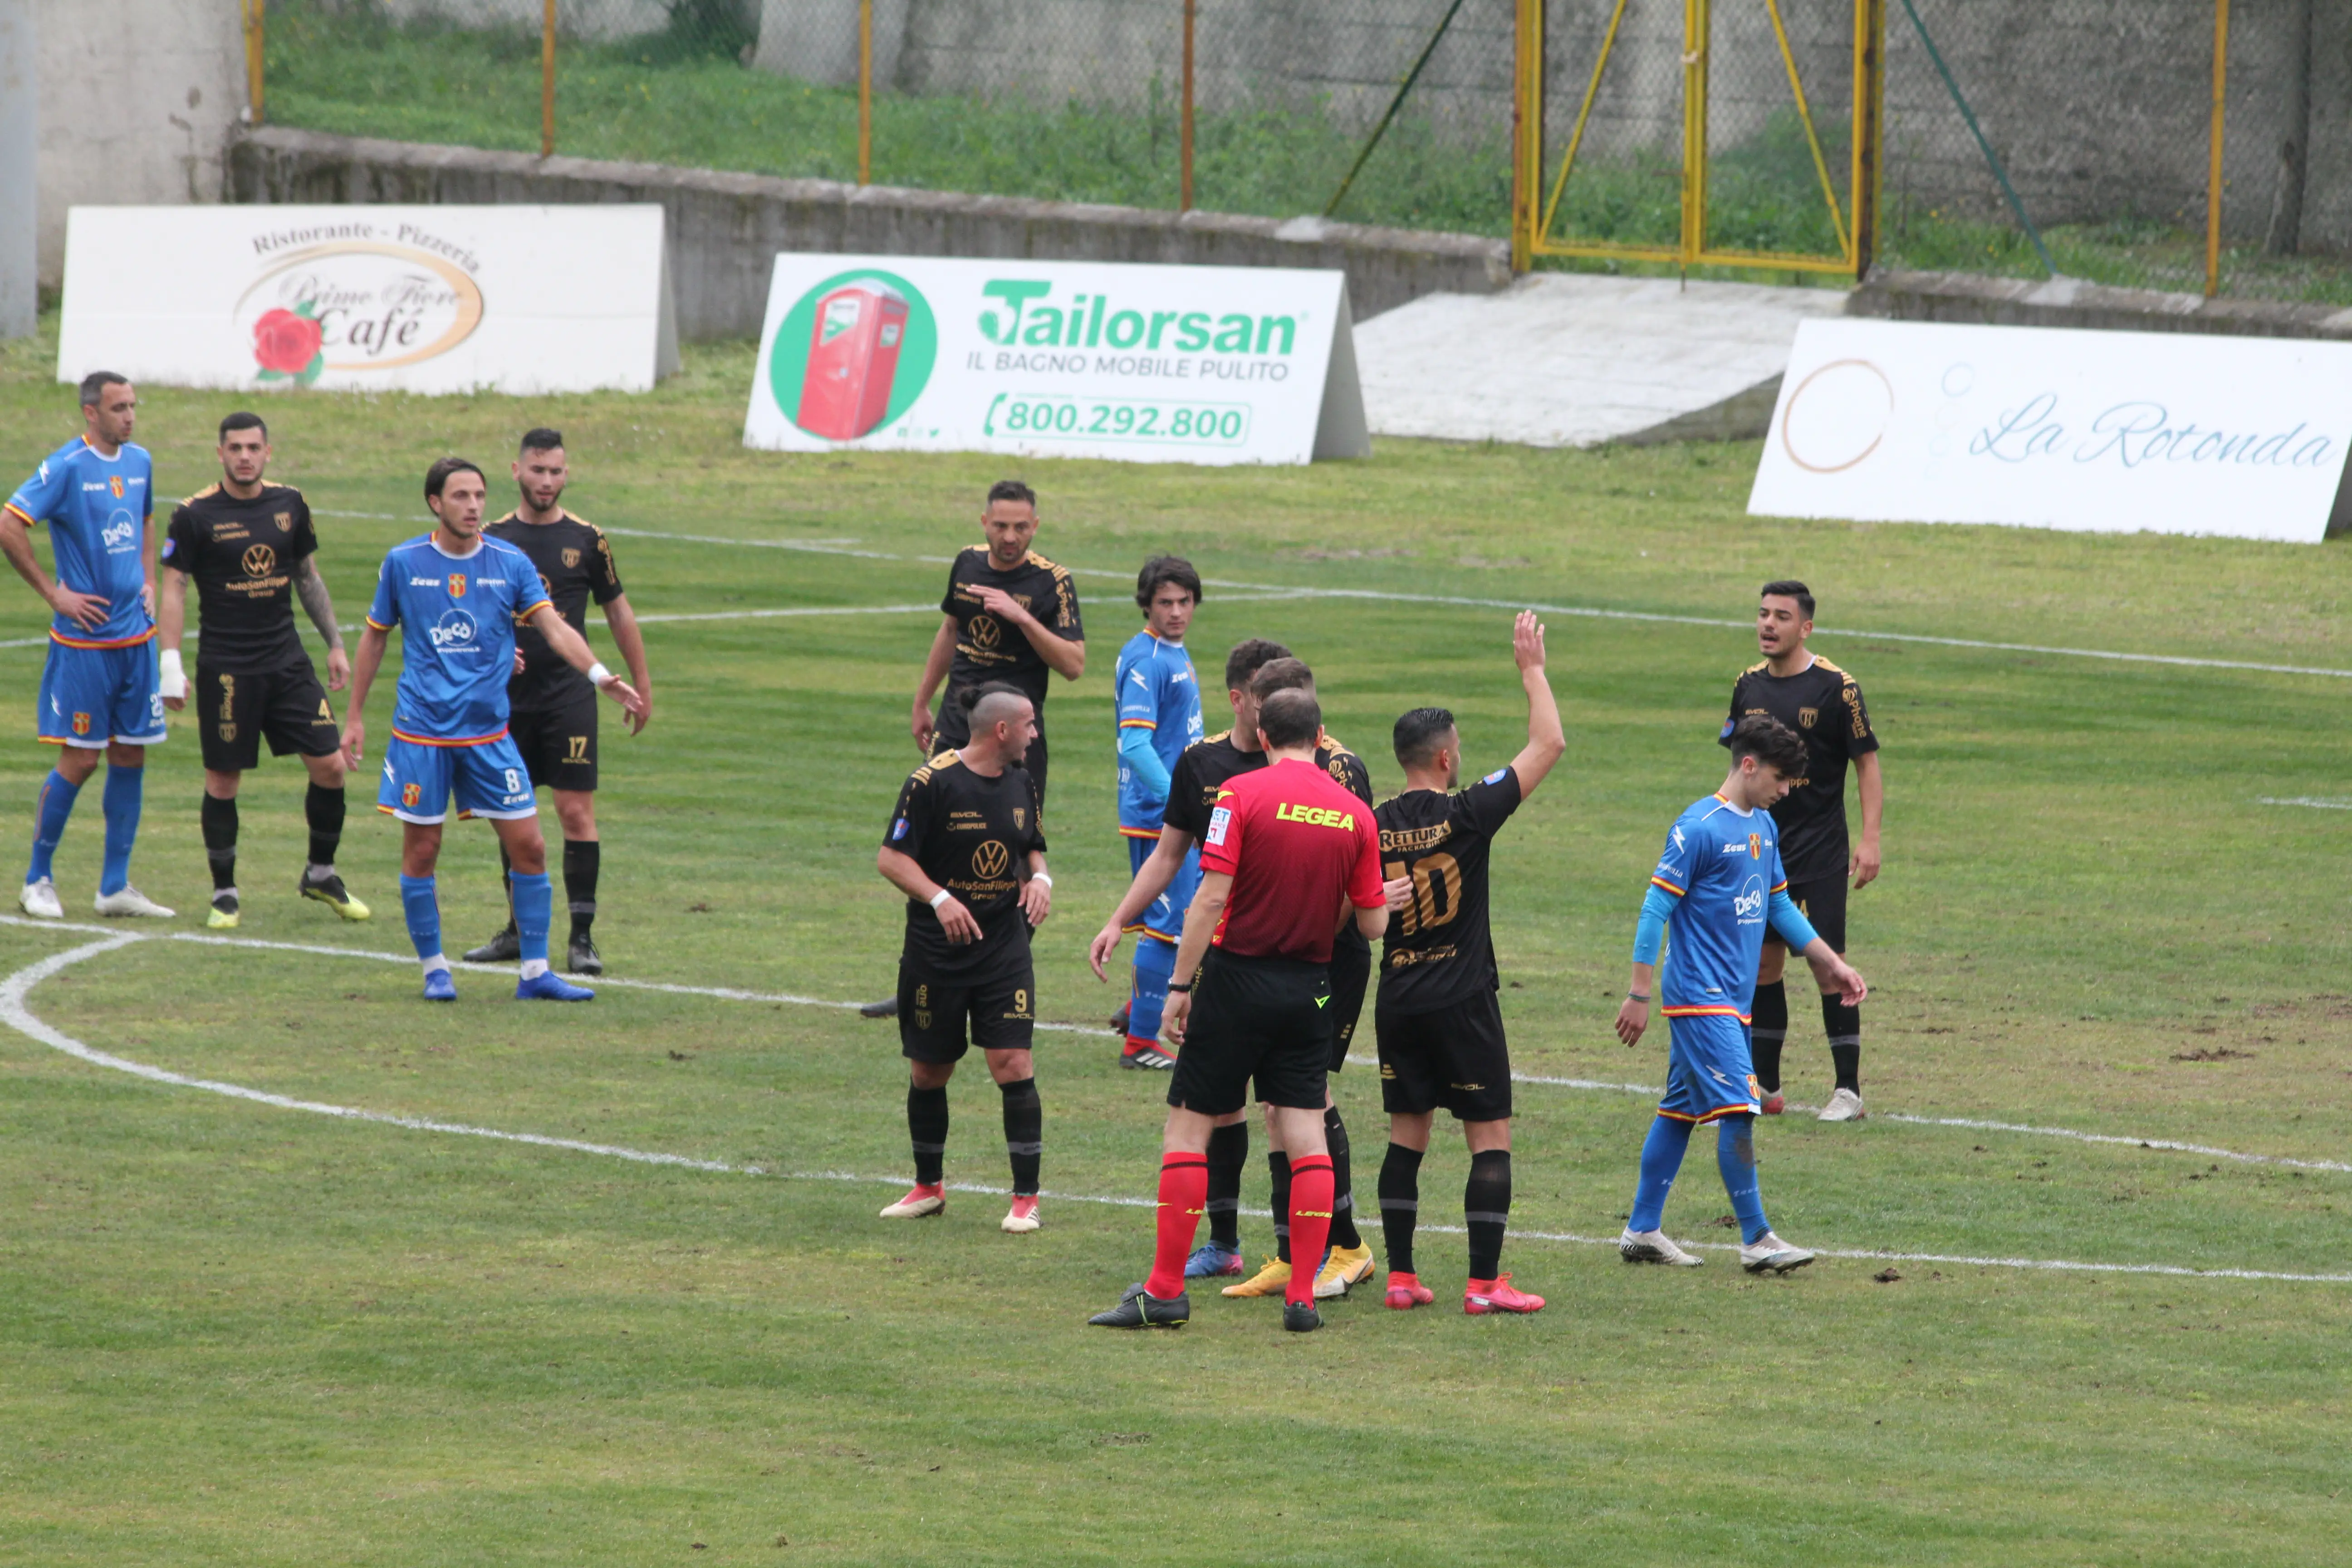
1020	816
1806	717
81	724
571	558
456	584
114	483
282	520
1756	846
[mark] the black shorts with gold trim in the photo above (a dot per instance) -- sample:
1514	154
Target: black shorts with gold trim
1453	1060
235	709
557	739
939	1020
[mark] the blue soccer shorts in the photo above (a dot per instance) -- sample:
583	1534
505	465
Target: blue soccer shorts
1709	1072
90	696
487	778
1165	918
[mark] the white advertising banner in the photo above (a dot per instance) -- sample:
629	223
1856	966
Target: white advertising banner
422	299
1909	422
1061	359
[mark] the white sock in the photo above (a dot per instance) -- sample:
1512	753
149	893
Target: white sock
314	872
220	893
532	968
436	963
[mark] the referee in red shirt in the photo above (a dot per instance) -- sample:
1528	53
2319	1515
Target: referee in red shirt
1287	851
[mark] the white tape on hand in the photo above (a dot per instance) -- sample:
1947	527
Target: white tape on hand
598	676
174	682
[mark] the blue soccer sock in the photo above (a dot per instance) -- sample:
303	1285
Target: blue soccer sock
1735	1156
420	903
57	795
1662	1158
1155	966
125	788
534	907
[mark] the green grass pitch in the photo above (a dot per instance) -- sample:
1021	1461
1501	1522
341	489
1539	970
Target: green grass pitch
232	1333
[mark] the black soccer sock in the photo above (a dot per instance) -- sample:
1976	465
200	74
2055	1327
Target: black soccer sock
581	858
1769	1033
926	1129
1228	1155
1024	1130
1343	1197
1277	1164
1486	1208
1399	1204
505	882
323	809
219	818
1843	1025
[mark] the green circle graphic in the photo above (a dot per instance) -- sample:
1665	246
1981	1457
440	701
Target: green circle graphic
788	357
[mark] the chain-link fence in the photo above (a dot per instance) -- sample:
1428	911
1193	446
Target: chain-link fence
2016	135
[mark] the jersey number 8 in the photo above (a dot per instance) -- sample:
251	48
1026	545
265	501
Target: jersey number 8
1436	878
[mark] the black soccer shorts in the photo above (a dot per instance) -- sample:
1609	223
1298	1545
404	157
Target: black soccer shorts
235	710
1822	900
953	728
1351	976
1453	1059
557	741
1264	1018
1000	1012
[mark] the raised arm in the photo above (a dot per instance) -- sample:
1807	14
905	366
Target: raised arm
1545	742
1065	655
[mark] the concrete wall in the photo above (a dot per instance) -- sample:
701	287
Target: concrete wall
726	229
137	101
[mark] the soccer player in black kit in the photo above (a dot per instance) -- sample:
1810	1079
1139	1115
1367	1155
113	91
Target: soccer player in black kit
1821	704
252	550
1438	1023
1009	614
1255	670
966	847
553	707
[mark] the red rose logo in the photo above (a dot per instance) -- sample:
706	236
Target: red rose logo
285	343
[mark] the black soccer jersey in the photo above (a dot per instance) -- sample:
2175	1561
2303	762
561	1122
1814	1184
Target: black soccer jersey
242	555
1439	949
1824	706
1203	769
575	563
972	835
986	648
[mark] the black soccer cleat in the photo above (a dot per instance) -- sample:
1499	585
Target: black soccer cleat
886	1008
504	948
330	890
582	957
1300	1318
1138	1311
1120	1020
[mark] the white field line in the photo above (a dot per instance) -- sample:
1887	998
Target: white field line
731	994
14	1013
2310	800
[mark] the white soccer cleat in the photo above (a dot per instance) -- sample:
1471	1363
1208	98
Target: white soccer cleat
1843	1106
130	900
1021	1217
41	899
1654	1247
1768	1254
921	1202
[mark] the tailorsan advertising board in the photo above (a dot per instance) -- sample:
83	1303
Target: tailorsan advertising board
1156	364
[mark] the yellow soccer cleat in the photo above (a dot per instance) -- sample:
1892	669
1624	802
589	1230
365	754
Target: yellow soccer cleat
330	890
1271	1281
224	916
1344	1267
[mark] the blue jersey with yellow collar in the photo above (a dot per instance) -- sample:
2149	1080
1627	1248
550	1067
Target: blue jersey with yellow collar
1722	866
458	615
97	510
1157	693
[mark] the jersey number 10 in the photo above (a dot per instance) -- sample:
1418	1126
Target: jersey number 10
1436	881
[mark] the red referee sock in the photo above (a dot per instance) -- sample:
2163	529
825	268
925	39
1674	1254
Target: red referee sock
1311	1186
1183	1194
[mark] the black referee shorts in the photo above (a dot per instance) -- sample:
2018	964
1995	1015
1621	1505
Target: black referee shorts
1263	1019
1453	1059
1351	976
952	729
1822	900
235	709
558	740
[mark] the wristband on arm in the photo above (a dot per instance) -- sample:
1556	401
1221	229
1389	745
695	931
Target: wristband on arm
941	897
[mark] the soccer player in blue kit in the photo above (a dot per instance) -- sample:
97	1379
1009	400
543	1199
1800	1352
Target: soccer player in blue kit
1159	716
457	596
101	687
1716	885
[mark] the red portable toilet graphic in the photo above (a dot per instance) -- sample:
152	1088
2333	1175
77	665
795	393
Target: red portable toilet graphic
852	357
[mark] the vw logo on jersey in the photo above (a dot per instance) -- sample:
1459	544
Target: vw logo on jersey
1748	902
122	530
455	632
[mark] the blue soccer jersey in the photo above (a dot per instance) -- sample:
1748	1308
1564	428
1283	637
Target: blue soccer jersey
458	615
1157	694
1722	866
97	510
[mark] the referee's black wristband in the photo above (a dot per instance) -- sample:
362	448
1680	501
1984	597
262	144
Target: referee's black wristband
1175	985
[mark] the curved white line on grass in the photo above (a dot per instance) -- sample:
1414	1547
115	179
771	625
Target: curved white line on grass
17	1015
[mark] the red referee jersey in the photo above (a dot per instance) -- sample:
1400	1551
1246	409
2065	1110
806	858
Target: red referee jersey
1295	843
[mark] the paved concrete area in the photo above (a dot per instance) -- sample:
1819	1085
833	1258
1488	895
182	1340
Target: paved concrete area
1570	360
